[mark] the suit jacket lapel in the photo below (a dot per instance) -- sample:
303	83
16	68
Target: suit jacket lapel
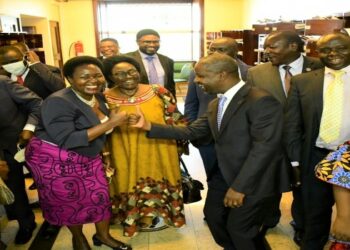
234	105
142	67
164	64
318	79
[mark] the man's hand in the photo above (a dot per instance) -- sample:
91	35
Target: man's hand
141	122
4	169
24	137
32	57
296	177
233	198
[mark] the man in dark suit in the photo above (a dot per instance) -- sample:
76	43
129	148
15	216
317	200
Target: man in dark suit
19	113
108	47
248	146
197	100
307	112
283	48
152	62
26	68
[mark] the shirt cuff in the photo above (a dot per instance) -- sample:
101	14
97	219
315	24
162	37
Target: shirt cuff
29	127
295	164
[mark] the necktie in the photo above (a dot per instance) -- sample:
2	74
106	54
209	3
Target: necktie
287	78
20	80
152	71
222	100
332	109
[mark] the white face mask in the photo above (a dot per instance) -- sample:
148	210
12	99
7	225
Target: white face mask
16	68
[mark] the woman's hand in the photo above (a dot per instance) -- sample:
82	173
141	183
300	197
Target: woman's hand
24	137
141	121
4	169
118	118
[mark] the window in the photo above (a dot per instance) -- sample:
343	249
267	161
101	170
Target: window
177	22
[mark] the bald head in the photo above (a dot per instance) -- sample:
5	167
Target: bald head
216	73
10	54
224	45
334	50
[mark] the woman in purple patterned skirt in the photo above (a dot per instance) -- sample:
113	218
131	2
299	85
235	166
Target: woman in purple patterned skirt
66	154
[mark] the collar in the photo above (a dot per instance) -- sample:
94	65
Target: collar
143	55
296	64
230	93
329	71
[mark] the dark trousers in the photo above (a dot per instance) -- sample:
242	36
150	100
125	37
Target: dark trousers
209	159
297	209
20	209
234	228
318	201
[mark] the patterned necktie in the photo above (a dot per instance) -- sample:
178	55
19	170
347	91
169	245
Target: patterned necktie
332	109
20	80
287	78
152	71
222	100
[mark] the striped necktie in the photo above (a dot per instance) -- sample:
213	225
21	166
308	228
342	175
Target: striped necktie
287	78
332	114
222	100
152	71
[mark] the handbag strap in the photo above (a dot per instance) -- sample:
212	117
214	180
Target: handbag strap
184	166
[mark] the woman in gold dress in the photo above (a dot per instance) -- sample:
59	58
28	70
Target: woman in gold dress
147	182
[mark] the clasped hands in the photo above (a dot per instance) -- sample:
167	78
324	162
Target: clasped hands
136	120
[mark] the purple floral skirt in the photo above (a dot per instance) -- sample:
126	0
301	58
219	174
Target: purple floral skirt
73	188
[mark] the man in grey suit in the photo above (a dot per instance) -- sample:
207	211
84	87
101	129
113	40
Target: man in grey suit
306	113
283	49
197	100
248	146
152	62
19	114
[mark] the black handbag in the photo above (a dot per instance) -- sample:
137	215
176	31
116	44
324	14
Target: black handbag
191	189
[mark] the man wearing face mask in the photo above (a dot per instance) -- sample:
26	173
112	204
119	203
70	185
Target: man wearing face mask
26	68
155	68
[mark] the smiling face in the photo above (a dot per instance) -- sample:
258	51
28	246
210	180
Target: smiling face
87	80
125	76
109	48
334	51
149	44
208	80
279	51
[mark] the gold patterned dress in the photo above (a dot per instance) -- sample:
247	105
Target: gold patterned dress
147	182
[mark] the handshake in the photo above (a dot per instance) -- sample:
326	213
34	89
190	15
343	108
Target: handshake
136	120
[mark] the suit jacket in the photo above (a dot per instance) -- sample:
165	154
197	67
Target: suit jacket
197	100
267	76
248	145
303	116
65	120
19	106
168	66
44	79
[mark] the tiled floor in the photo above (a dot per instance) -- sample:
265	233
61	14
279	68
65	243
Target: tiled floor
194	236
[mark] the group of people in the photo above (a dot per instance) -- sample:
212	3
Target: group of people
105	149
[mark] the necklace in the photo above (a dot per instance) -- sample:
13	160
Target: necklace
91	103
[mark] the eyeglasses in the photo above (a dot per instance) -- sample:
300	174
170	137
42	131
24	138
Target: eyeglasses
124	74
148	42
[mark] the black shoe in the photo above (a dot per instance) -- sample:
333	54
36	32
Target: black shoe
24	234
34	205
33	186
49	231
298	237
2	245
99	243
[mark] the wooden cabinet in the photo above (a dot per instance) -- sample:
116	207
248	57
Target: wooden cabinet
34	42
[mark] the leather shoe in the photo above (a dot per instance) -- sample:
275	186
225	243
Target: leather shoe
24	234
98	242
298	237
